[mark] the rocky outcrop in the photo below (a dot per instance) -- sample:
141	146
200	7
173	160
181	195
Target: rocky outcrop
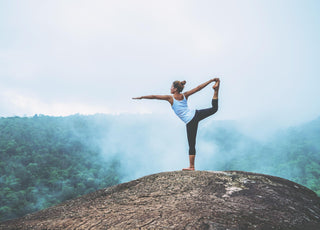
186	200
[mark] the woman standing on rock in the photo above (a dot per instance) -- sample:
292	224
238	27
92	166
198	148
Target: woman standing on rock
179	105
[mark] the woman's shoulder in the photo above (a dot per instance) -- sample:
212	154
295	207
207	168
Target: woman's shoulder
170	99
185	96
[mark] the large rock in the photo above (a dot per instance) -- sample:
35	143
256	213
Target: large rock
186	200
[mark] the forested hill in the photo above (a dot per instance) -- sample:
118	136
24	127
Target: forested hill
46	160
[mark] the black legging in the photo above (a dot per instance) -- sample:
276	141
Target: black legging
192	126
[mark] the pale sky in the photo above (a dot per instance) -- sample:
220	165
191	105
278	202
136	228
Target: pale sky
66	57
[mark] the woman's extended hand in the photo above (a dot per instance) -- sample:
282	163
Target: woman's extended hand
137	98
215	79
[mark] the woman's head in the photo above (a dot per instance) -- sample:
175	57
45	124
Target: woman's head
178	86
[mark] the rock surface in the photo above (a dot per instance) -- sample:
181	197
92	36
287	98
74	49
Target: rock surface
186	200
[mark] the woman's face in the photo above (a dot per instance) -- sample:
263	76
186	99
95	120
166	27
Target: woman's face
173	90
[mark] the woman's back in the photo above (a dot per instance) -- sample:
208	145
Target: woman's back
180	107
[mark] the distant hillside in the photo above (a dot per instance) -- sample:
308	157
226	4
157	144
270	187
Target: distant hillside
293	154
186	200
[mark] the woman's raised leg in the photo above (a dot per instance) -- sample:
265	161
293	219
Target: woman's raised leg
204	113
216	87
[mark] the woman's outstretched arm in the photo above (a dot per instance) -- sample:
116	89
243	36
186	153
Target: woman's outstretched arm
158	97
199	87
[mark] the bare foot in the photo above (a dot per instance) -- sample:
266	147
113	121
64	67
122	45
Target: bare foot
217	84
188	169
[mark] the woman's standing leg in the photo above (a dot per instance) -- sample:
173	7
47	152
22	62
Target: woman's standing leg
192	128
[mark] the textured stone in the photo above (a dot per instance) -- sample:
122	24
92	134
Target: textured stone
186	200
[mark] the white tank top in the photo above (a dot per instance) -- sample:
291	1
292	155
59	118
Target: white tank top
182	110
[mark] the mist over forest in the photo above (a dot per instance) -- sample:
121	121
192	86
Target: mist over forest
46	160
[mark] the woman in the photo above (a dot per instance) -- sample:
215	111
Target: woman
179	105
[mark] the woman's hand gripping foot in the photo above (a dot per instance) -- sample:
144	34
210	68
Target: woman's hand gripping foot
217	84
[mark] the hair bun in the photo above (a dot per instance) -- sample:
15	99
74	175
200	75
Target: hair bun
183	82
